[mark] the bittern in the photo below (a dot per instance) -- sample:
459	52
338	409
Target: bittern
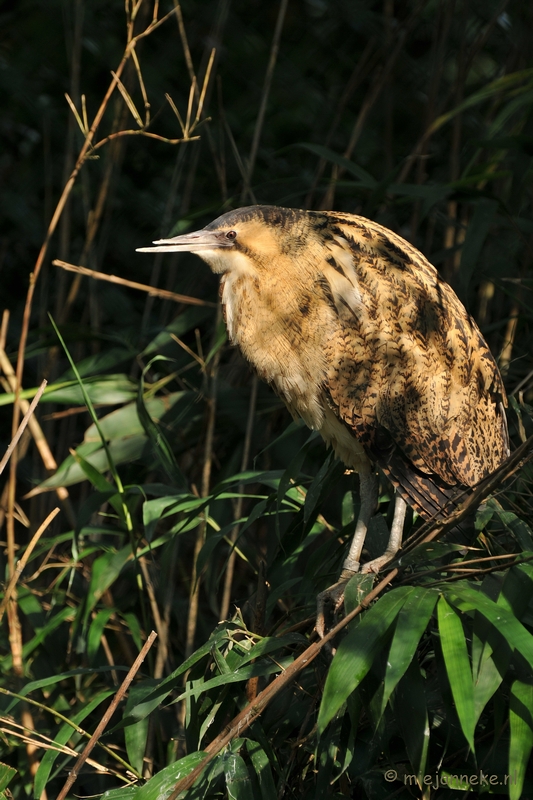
357	333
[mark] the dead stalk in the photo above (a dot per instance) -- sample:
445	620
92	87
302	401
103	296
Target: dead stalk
107	716
24	560
142	287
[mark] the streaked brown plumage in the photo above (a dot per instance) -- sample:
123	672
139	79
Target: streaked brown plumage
355	330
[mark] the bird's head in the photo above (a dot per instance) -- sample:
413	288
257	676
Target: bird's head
248	239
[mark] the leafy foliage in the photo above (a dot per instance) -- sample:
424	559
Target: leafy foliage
188	495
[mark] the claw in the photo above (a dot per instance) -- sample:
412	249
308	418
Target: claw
330	600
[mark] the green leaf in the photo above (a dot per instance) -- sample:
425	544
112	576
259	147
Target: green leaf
96	630
105	570
357	652
410	626
122	793
455	654
411	712
495	87
365	178
6	775
521	743
136	735
261	765
238	783
162	784
160	445
518	637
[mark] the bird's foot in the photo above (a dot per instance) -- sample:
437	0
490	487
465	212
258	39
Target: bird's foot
330	600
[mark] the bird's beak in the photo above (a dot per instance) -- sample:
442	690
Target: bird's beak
196	242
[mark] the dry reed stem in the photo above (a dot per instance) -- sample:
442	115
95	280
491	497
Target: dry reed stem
37	433
430	531
73	774
142	287
14	625
22	426
24	560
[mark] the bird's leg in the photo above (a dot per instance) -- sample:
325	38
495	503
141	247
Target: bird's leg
395	538
334	595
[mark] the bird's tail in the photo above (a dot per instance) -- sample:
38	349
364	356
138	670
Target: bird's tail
428	495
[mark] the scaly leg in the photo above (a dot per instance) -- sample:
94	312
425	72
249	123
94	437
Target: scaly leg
395	538
334	595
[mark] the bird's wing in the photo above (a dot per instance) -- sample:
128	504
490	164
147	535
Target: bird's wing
407	360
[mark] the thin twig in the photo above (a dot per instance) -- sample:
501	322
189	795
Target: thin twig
107	716
142	287
22	426
24	560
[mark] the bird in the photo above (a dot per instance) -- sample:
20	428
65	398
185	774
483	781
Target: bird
362	339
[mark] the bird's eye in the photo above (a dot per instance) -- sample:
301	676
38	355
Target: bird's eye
231	235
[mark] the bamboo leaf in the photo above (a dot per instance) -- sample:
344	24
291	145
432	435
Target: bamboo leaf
410	625
455	654
357	652
521	742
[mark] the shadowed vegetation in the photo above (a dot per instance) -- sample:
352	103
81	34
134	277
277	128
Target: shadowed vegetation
187	495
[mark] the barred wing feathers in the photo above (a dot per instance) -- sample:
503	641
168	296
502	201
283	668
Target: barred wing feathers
409	371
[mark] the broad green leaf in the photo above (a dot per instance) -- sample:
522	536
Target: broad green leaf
518	527
356	590
125	421
122	793
455	654
173	681
161	785
521	743
160	445
243	674
122	451
506	83
102	485
41	634
109	390
238	783
411	713
6	775
357	651
135	735
96	629
486	682
105	570
410	626
518	637
261	765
